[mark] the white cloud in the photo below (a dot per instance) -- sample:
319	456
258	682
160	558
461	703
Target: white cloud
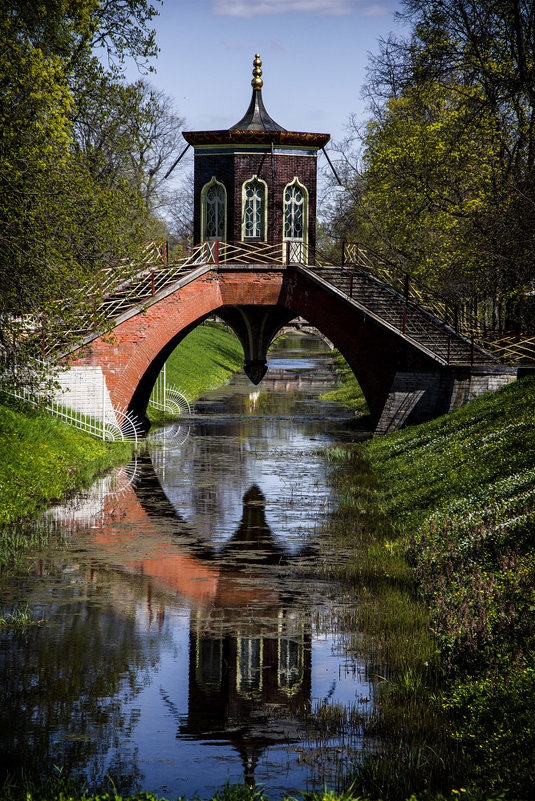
375	10
251	8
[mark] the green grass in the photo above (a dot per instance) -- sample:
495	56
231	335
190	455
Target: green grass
61	789
19	619
42	459
479	455
205	359
348	391
460	492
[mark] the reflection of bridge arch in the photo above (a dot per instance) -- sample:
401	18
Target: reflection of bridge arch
250	659
250	670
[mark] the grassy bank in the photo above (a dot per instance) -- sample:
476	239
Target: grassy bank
460	492
348	391
42	459
205	359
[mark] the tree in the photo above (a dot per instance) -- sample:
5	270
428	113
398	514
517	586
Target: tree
446	179
127	132
74	197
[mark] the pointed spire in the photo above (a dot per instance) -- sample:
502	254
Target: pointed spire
256	117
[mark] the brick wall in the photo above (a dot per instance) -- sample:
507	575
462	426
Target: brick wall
234	168
401	383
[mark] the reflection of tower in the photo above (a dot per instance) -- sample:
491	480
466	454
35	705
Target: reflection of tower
249	683
250	634
250	663
253	542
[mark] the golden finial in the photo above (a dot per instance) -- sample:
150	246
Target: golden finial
257	82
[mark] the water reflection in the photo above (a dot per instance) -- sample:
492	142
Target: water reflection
182	647
250	642
66	689
249	687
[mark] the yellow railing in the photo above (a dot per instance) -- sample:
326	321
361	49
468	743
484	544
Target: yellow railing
509	348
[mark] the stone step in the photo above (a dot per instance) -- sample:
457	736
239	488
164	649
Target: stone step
415	322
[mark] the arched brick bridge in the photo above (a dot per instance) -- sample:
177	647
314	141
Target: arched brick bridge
410	363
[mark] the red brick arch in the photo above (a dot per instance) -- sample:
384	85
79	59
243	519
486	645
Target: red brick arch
132	356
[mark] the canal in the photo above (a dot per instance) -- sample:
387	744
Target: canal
188	638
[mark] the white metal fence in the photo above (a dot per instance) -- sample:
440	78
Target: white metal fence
168	399
78	396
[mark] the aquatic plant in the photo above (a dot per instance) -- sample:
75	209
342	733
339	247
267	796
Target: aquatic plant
19	619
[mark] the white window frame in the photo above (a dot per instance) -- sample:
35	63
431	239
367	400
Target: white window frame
299	249
263	236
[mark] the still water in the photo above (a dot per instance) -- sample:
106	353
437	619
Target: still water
185	643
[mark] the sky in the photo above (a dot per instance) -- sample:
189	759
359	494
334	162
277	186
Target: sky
314	55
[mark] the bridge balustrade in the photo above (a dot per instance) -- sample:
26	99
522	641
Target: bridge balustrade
406	300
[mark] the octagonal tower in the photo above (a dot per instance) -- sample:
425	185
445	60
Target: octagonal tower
256	182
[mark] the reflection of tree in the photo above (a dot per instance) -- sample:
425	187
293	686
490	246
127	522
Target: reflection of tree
65	688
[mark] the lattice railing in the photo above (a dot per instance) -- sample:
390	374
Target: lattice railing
507	347
128	285
113	292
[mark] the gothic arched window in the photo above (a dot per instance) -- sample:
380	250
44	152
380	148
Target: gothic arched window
254	209
295	225
295	211
213	206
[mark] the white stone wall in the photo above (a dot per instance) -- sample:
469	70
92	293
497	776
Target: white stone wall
83	389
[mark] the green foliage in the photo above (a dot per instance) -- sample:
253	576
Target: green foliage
430	178
442	178
493	721
41	459
66	211
461	492
205	359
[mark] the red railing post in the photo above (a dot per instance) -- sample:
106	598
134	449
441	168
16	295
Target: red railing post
216	251
350	285
288	252
152	283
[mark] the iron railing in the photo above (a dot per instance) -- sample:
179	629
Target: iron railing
167	397
80	405
505	346
113	293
